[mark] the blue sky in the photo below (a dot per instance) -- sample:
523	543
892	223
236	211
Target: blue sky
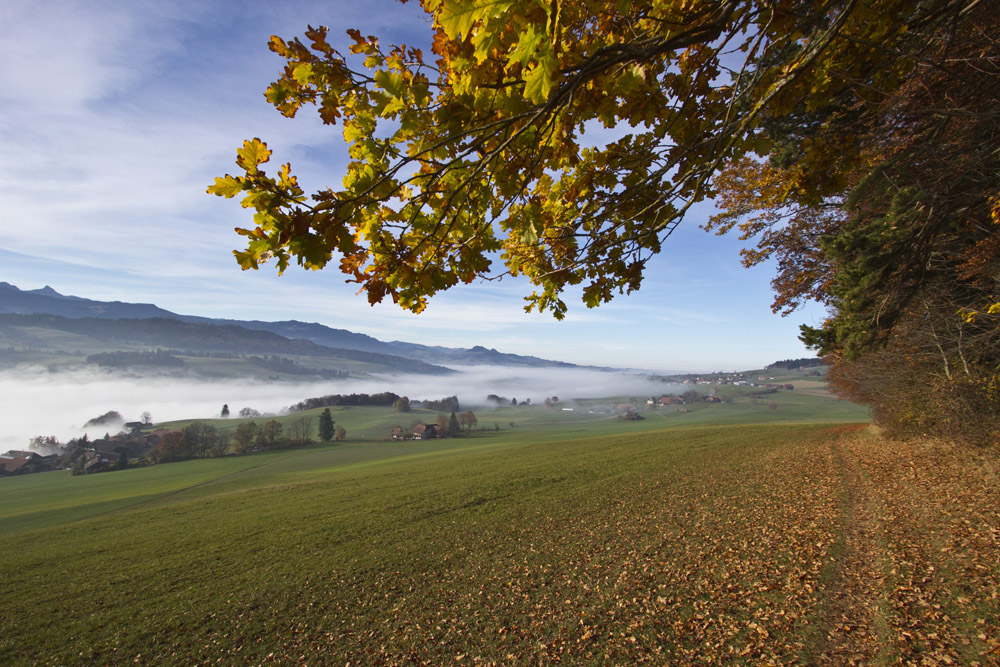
115	116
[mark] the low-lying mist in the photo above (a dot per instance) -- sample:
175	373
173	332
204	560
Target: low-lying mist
39	402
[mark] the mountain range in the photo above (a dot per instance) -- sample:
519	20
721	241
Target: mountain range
149	324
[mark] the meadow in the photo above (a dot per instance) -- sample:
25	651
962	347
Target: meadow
569	537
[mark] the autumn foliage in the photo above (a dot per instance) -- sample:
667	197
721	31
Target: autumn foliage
476	156
899	236
852	141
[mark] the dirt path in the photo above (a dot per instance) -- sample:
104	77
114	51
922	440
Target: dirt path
849	632
917	578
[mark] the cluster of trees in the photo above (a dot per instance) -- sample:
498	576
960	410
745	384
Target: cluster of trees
447	404
503	400
279	364
113	417
196	440
806	362
852	141
386	398
200	440
897	233
144	358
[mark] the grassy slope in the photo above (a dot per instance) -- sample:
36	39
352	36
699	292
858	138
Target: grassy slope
367	424
53	498
712	544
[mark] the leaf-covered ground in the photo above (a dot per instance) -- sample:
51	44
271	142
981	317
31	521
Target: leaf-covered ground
727	545
921	568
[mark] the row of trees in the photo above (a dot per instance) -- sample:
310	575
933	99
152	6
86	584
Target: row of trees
386	398
129	358
200	440
503	400
898	234
196	440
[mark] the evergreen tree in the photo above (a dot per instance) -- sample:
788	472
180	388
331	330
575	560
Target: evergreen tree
225	410
453	425
326	426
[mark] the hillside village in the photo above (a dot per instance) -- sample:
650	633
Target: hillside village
140	443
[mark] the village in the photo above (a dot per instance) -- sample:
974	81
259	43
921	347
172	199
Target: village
140	443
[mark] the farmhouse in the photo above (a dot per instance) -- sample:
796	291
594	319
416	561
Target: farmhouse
416	432
425	431
672	400
17	462
95	461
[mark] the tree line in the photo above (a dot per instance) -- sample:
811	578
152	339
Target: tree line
383	399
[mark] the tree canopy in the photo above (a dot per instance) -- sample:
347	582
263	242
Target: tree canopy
898	235
475	163
854	141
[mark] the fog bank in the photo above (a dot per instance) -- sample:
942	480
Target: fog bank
39	402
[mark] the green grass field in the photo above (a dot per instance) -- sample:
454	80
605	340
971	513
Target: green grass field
568	538
368	423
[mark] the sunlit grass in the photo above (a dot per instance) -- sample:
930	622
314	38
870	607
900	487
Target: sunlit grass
699	545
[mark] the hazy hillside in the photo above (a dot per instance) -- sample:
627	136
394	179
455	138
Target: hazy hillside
32	331
48	301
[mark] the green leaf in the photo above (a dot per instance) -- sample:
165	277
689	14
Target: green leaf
527	46
457	18
391	82
394	106
302	73
530	235
538	81
353	132
484	41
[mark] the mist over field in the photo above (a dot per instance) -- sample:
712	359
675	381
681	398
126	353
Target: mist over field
39	402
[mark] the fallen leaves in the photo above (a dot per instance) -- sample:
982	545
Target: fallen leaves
739	546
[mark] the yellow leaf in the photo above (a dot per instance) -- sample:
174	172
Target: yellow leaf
227	186
253	153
